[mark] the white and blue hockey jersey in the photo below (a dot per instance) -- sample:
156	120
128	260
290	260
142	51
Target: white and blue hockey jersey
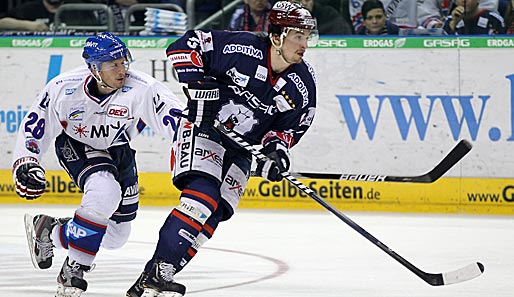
65	104
260	104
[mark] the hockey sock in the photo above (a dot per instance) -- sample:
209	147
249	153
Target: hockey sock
59	238
207	231
84	234
180	230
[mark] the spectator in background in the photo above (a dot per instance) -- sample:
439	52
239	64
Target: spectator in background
205	8
38	15
432	13
252	16
467	18
329	20
506	10
375	21
402	13
491	5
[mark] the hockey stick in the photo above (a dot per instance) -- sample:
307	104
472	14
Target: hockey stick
454	156
435	279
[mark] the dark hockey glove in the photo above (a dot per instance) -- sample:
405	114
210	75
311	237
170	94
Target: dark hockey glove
29	178
202	103
277	162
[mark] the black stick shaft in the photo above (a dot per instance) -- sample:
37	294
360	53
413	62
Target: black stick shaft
358	228
430	278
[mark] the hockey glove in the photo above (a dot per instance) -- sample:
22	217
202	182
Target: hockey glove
277	162
202	103
29	178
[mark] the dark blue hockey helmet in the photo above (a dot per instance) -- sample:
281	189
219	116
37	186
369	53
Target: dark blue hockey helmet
104	47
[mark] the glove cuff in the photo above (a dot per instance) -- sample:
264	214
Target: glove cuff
204	95
202	90
23	160
273	147
277	152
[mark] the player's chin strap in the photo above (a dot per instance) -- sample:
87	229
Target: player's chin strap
278	48
98	78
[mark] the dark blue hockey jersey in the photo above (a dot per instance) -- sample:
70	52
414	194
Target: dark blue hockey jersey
260	104
485	23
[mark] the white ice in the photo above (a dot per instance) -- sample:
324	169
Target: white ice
287	253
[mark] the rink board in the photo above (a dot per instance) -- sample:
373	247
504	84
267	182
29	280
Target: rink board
386	105
447	195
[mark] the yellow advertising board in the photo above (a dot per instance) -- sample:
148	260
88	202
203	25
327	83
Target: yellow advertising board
447	195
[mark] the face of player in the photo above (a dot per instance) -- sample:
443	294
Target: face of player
375	20
113	73
295	44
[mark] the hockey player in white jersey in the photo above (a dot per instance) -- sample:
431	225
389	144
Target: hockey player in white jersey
90	114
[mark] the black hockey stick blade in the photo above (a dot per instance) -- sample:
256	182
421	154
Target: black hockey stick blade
452	158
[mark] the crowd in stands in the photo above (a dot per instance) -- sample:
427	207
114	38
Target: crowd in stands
334	17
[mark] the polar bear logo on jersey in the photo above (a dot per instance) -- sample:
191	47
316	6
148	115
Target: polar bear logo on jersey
238	115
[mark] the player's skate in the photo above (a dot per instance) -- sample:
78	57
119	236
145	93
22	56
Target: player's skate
160	282
137	288
38	230
70	280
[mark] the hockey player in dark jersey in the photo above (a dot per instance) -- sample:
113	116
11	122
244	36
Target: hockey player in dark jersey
466	17
257	85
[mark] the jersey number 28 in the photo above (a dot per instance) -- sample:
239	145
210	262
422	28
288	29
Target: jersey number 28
35	125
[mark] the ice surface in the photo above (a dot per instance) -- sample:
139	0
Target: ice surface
263	253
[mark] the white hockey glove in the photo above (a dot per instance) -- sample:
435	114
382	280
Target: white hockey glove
278	162
202	103
29	178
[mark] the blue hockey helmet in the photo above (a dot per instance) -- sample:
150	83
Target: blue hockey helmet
104	47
